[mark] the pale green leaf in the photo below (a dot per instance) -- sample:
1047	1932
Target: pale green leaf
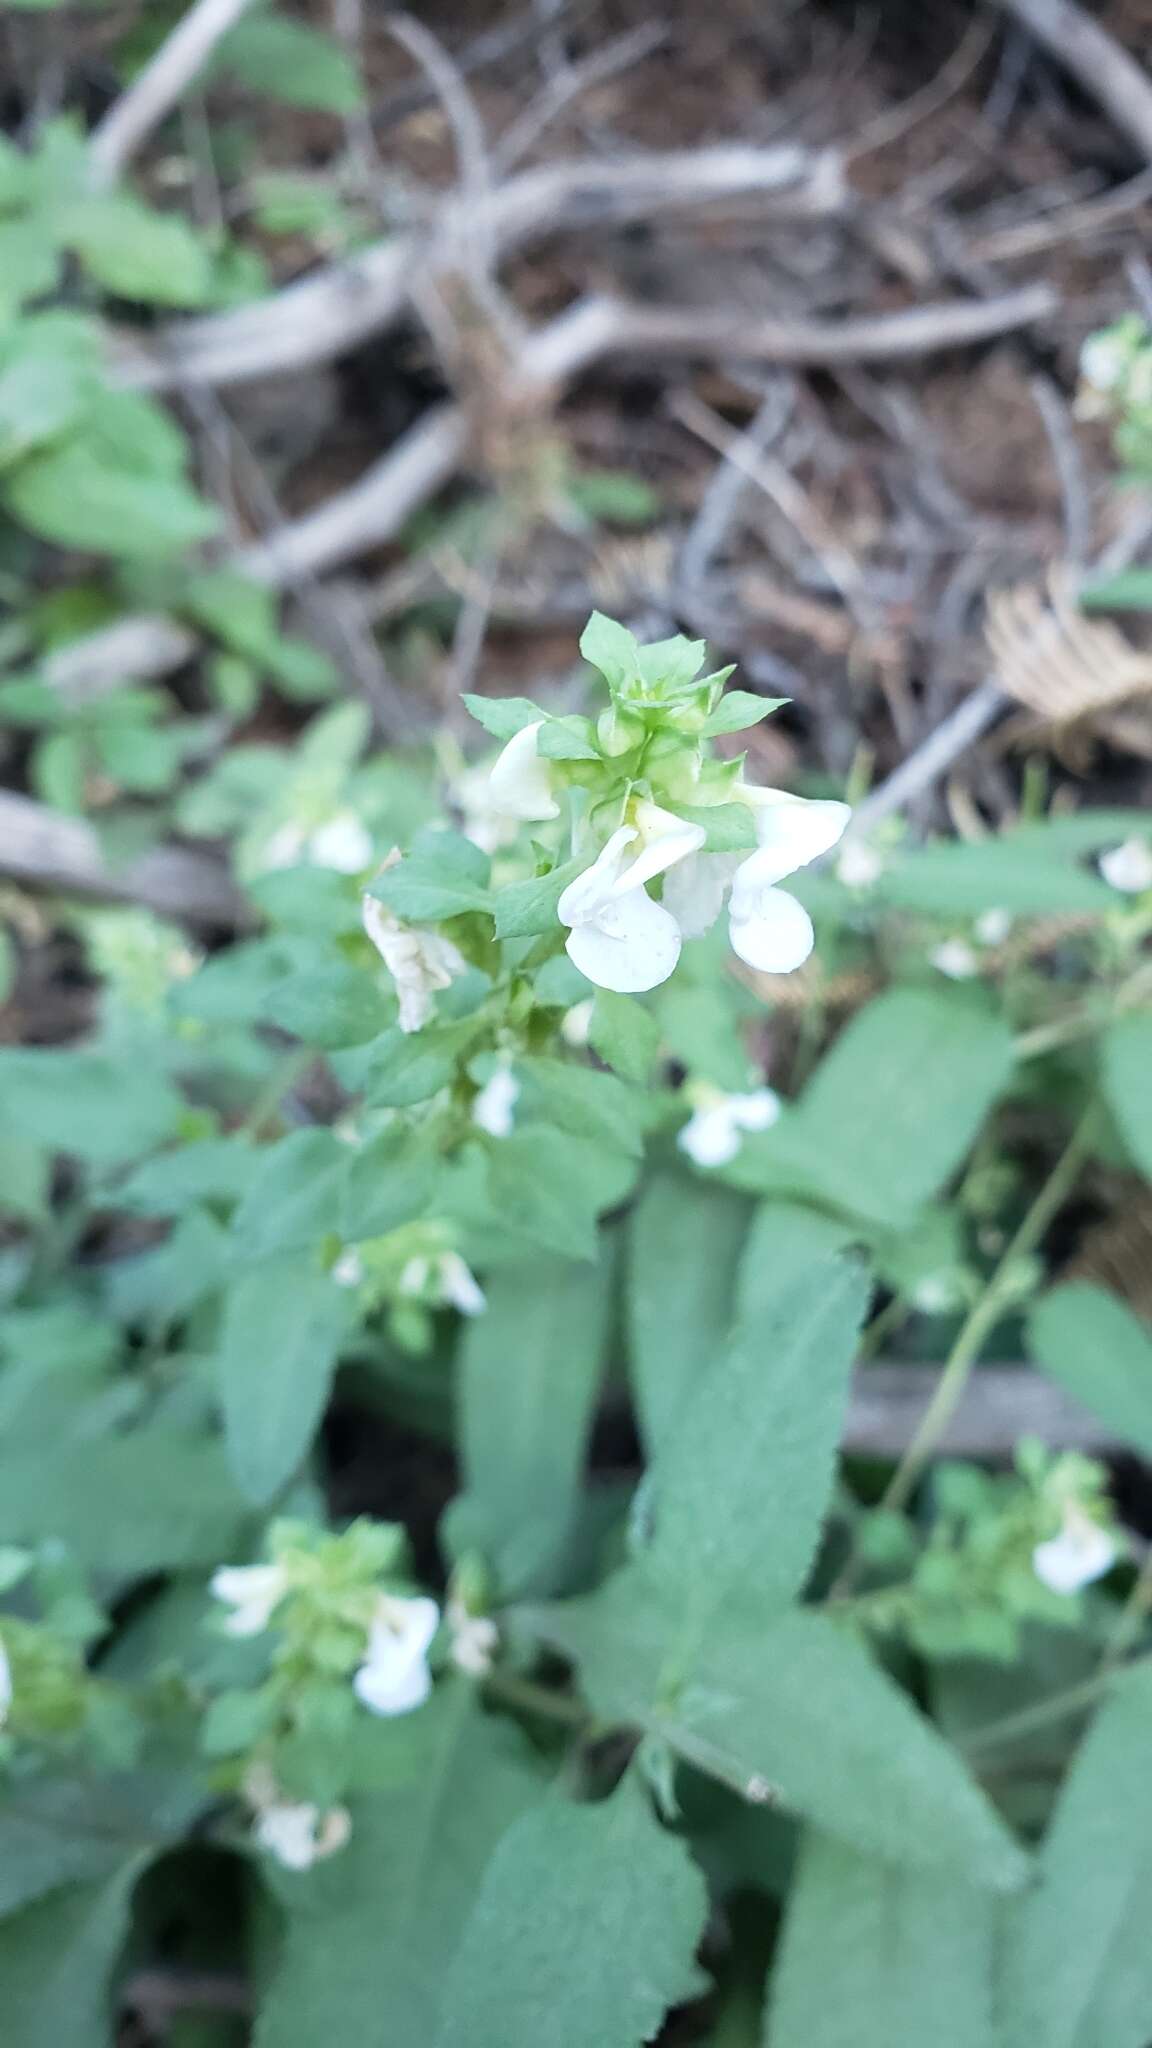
738	709
330	1008
529	1375
551	1186
523	910
75	496
1078	1970
294	1197
624	1034
873	1956
612	649
684	1244
504	717
1126	1071
1101	1353
75	1102
582	1100
146	1502
371	1933
584	1932
891	1110
783	1240
282	1331
283	59
138	253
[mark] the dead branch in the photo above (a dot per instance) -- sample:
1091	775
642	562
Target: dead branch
1093	57
1001	1405
329	312
50	851
156	89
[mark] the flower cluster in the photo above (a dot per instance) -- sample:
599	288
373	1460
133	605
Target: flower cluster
344	1641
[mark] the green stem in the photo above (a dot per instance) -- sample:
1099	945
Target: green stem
529	1698
983	1317
286	1072
1133	1613
1046	1711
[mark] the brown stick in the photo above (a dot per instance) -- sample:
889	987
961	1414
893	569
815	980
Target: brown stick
1095	59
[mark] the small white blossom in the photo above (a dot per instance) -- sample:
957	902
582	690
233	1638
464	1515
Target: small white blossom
1104	359
768	929
343	844
937	1294
618	935
859	865
5	1685
394	1677
715	1130
447	1278
493	1109
576	1024
349	1268
956	959
285	848
520	785
419	961
1128	867
297	1833
992	927
253	1592
475	1638
1080	1553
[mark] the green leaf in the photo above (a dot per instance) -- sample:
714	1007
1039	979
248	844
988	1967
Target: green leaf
504	717
78	497
147	1502
370	1934
294	1198
683	1250
58	1830
406	1067
582	1100
162	1286
75	1102
283	59
56	1962
1078	1971
282	1331
59	771
738	709
730	828
1130	591
742	1484
569	738
47	379
612	649
799	1707
584	1932
872	1956
625	1034
436	880
332	1008
890	1112
1033	870
784	1239
551	1187
138	253
29	263
1126	1071
523	910
389	1181
529	1375
1094	1346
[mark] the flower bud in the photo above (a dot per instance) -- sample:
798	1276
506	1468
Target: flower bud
617	732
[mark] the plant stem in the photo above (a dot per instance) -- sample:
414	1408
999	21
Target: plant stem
530	1698
984	1315
1134	1611
286	1072
1055	1709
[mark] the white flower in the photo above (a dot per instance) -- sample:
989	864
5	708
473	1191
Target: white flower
253	1591
576	1024
349	1268
474	1640
294	1831
768	929
1128	867
419	961
520	785
394	1677
5	1685
493	1108
859	865
714	1132
1104	359
956	959
342	844
619	937
449	1279
1082	1551
284	848
992	927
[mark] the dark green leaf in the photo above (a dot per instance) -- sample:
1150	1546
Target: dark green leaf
551	1187
1101	1353
582	1100
294	1199
283	1327
525	909
1126	1069
684	1246
625	1034
75	1102
338	1006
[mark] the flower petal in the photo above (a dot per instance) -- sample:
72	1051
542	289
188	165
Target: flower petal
253	1591
288	1832
792	830
1074	1558
584	897
520	784
695	889
769	929
461	1289
710	1137
633	945
757	1111
665	839
494	1107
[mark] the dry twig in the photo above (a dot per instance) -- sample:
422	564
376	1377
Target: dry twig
49	851
1094	57
155	91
